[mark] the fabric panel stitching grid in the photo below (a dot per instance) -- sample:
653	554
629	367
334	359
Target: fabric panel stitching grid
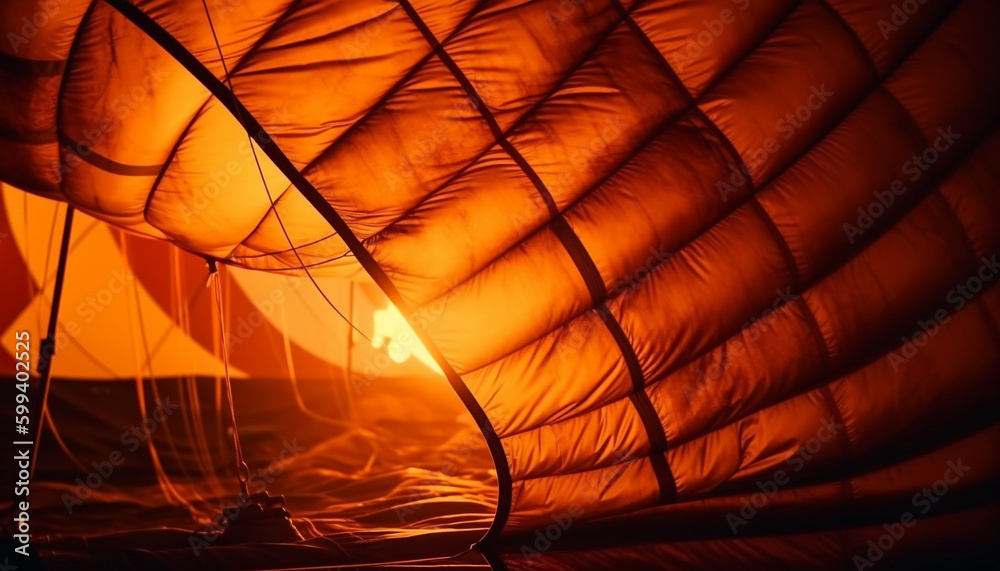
809	316
77	37
581	258
252	126
755	204
517	123
672	120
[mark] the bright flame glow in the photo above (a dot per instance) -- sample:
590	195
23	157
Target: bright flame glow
400	341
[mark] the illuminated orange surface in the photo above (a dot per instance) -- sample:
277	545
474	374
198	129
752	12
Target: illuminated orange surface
659	248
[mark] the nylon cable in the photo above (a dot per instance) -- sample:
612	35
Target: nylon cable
263	180
166	484
286	345
48	348
242	470
223	93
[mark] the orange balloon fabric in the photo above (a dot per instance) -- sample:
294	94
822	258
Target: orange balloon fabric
662	249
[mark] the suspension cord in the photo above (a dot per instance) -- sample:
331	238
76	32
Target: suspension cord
263	179
48	347
242	470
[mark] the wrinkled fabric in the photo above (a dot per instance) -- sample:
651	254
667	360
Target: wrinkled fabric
665	245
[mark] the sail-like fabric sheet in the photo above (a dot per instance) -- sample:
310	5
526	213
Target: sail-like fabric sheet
669	249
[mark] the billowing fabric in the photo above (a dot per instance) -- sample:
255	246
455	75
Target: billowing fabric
359	440
666	246
119	283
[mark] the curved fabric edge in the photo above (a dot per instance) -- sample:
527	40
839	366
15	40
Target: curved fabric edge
267	145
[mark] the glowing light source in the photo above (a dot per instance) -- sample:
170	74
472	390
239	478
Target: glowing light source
400	341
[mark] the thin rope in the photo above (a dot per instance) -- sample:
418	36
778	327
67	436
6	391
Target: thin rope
263	180
242	470
217	393
135	319
299	401
180	312
154	386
